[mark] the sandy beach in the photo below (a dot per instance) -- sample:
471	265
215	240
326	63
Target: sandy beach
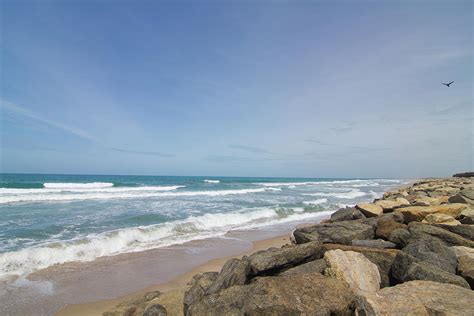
173	290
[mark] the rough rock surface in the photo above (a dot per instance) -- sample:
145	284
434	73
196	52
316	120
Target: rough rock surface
272	260
376	243
338	233
234	272
346	214
155	310
390	205
419	231
441	219
134	306
466	231
305	293
418	213
369	209
382	258
433	251
385	228
466	269
199	285
315	266
418	298
400	237
408	268
467	216
354	268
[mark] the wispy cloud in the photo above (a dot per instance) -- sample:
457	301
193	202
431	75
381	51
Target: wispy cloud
146	153
319	142
224	158
251	149
460	108
11	107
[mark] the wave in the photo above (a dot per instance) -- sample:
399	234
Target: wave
212	181
352	194
316	202
142	238
58	185
91	190
119	195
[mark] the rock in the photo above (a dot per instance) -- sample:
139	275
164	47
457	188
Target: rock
272	260
460	251
440	219
155	310
428	201
303	235
135	306
354	268
466	269
300	294
467	193
385	228
420	231
234	272
467	216
376	243
466	231
390	205
369	209
465	196
464	175
338	233
418	298
199	285
382	258
315	266
433	251
400	237
408	268
418	213
346	214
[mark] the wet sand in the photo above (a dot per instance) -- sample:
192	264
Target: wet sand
173	289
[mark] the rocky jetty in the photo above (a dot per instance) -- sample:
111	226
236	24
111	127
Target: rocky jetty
408	253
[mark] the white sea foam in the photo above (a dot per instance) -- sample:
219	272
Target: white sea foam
316	202
90	190
212	181
135	239
119	195
352	194
78	185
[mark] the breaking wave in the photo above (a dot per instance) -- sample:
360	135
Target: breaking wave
78	185
212	181
352	194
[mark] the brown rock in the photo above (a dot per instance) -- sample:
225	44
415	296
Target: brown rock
385	228
370	209
418	213
440	219
390	205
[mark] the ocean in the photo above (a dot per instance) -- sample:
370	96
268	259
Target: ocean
47	220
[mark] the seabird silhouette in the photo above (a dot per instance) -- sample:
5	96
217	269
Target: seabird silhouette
447	84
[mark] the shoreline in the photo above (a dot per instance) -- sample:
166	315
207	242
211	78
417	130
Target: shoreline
174	288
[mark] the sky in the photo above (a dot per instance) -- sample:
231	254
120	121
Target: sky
237	88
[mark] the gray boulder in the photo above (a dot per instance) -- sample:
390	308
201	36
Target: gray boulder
300	294
199	285
273	260
433	251
419	231
408	268
400	237
346	214
466	269
466	231
234	272
155	310
338	233
375	243
315	266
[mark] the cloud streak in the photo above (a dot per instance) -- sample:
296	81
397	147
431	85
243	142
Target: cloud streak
251	149
146	153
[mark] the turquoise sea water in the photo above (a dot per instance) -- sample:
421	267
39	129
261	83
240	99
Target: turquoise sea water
51	219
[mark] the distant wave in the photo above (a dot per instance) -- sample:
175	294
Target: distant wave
78	185
283	184
316	202
340	195
122	193
212	181
90	190
142	238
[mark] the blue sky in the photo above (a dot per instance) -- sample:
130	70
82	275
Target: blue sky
243	88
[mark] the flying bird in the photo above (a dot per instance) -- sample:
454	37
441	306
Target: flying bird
447	84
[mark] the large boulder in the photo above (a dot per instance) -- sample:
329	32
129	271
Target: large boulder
234	272
155	310
315	266
199	285
370	209
272	260
466	231
466	269
408	268
338	233
385	227
467	216
135	306
422	298
300	294
418	213
440	219
346	214
354	268
417	200
434	251
374	243
382	258
420	230
390	205
400	237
